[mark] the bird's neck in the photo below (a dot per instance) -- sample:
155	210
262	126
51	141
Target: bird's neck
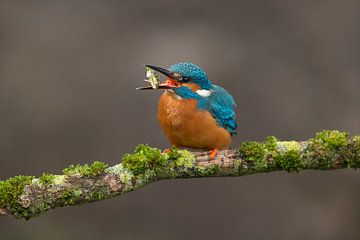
172	94
188	93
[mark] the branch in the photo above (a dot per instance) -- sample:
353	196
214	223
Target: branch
27	196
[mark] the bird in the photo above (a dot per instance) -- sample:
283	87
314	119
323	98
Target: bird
193	112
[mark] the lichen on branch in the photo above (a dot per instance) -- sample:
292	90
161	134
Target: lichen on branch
27	196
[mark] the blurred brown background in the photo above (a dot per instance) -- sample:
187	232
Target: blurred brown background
68	70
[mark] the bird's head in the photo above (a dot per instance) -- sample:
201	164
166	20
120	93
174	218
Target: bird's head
182	74
191	73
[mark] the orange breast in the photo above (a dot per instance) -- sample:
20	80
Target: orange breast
186	126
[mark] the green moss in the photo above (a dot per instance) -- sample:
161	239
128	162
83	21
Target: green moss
352	158
208	171
288	156
325	147
271	143
71	170
144	158
256	153
71	196
47	179
125	175
213	170
289	161
236	169
86	170
356	140
59	179
272	150
356	152
98	195
95	169
147	177
173	153
11	189
331	139
271	155
180	158
237	164
288	145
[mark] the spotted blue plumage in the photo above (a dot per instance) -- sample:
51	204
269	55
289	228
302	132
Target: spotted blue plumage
219	103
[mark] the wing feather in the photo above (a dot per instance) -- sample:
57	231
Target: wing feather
221	105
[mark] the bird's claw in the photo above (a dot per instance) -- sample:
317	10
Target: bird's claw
166	150
213	153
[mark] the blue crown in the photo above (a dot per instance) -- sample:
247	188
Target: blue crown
193	72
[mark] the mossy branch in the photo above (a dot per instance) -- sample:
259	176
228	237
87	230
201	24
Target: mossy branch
27	196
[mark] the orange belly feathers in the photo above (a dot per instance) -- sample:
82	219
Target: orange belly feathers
187	126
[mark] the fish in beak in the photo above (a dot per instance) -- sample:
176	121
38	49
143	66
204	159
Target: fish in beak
154	80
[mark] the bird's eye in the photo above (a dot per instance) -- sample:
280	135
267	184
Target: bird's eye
185	79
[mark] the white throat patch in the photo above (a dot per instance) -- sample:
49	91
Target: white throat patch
204	93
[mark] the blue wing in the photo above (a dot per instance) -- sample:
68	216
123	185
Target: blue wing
221	105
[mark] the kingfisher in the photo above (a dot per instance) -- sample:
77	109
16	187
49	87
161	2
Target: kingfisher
193	112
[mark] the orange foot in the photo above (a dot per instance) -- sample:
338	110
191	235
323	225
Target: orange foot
166	150
213	153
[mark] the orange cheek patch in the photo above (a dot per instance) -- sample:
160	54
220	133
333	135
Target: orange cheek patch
193	86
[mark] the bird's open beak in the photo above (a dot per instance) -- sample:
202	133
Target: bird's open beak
171	82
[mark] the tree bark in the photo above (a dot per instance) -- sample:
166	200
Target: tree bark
26	196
